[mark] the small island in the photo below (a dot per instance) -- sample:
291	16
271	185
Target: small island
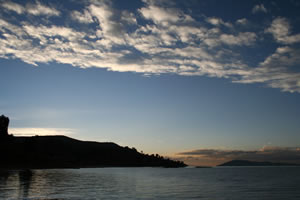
245	163
41	152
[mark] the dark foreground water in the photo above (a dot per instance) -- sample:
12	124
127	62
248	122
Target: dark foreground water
230	183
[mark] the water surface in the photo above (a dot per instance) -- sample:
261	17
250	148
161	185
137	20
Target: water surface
221	183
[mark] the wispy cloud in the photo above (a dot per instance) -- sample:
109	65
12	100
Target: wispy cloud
275	70
245	38
33	9
281	31
242	21
84	17
40	9
217	21
11	6
267	153
259	8
168	40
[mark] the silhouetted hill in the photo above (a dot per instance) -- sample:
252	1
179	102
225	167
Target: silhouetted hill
65	152
254	163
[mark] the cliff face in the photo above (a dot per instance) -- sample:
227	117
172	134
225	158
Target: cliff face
65	152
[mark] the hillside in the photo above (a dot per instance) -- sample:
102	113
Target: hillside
65	152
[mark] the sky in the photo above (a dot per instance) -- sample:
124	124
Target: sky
203	81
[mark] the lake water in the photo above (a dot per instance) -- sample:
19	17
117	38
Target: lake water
230	183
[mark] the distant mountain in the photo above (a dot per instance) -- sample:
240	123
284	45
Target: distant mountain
65	152
255	163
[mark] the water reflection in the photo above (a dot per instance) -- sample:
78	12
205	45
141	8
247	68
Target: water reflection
65	184
28	184
25	180
15	184
4	176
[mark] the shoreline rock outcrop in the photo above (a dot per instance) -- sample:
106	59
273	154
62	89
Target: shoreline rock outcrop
4	122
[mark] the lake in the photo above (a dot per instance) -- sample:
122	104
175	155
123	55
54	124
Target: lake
220	183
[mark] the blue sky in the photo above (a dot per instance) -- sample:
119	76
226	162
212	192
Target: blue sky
186	79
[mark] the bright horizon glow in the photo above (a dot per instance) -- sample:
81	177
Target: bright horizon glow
40	131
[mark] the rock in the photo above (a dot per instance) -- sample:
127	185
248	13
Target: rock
4	121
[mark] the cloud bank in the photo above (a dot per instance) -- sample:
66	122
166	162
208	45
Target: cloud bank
217	156
153	39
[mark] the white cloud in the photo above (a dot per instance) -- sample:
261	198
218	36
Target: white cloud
40	131
171	43
164	16
281	31
112	29
42	32
214	39
40	9
259	8
217	21
246	38
13	7
277	70
195	52
33	9
84	17
128	17
283	57
103	14
242	21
